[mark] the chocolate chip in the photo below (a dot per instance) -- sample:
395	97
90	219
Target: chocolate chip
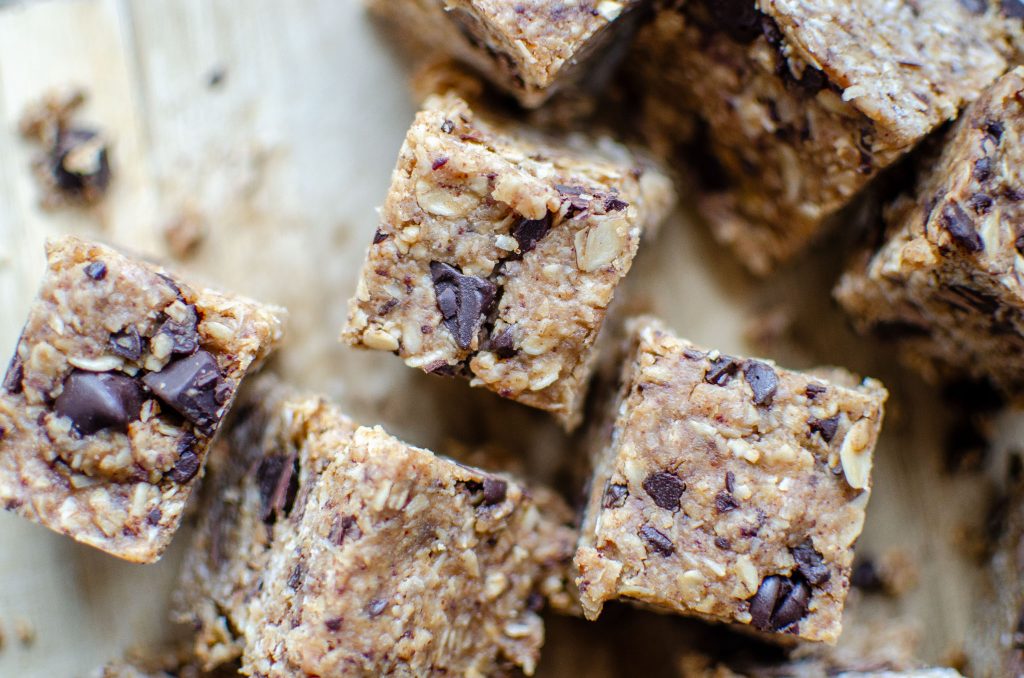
276	480
154	516
693	354
810	563
334	625
187	466
739	19
721	370
97	401
189	387
1012	8
994	128
502	344
657	540
614	204
297	575
981	203
725	502
960	226
825	427
387	306
614	496
730	481
528	232
438	163
464	301
80	163
793	605
379	237
97	270
127	343
184	334
344	527
447	126
376	607
779	602
762	604
975	6
666	489
495	490
982	171
15	375
814	390
763	381
722	543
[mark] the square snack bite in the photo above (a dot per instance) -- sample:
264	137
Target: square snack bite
121	377
328	549
729	489
946	282
498	253
804	102
529	48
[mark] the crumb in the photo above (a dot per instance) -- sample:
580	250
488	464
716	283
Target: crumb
216	77
185	233
74	167
25	632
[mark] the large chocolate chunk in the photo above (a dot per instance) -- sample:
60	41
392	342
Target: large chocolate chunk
192	386
614	496
97	401
187	465
666	489
278	482
763	603
464	301
779	602
763	381
495	490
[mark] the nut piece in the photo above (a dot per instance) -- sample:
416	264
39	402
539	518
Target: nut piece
599	246
855	454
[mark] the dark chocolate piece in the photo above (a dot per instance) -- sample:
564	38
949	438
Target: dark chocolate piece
464	301
763	381
189	386
96	401
657	540
666	489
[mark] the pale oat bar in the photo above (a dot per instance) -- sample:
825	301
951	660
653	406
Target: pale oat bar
530	48
120	379
945	283
729	489
802	102
327	549
498	253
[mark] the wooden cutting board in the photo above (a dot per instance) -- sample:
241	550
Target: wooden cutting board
275	123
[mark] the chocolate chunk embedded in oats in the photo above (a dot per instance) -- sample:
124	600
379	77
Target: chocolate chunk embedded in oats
108	407
509	254
383	544
800	104
950	274
764	529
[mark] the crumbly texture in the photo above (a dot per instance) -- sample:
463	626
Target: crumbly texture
802	103
121	377
530	49
995	646
729	489
365	556
945	284
498	253
697	665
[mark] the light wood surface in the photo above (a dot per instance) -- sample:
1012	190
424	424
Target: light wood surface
285	161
